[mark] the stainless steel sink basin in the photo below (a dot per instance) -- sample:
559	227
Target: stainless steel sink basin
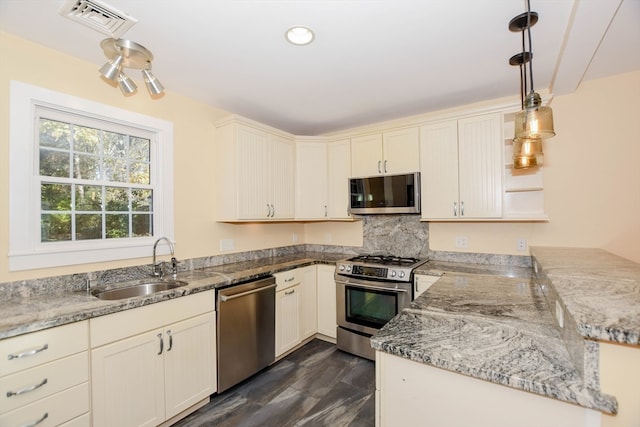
139	290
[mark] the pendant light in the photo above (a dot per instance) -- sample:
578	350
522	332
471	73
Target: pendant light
534	122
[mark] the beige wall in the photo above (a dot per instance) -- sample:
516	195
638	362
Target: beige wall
196	232
591	178
594	204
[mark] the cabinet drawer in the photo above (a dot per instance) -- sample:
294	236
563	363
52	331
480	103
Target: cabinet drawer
287	279
117	326
29	350
27	386
53	410
81	421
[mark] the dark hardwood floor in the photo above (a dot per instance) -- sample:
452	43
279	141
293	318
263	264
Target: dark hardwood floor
316	385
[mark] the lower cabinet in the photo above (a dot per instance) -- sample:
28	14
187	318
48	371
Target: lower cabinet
445	398
148	365
326	300
44	377
422	282
295	307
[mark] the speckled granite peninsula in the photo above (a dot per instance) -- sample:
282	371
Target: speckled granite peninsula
498	326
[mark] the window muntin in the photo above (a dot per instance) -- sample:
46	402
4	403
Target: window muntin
95	183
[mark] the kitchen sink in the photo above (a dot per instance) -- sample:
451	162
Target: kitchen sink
139	290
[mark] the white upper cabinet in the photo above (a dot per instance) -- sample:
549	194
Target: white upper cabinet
339	154
461	165
388	153
254	172
311	180
322	176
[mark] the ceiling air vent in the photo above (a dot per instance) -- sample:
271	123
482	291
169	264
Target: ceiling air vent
99	16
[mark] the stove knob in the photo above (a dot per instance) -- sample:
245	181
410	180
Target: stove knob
348	268
341	267
401	274
393	273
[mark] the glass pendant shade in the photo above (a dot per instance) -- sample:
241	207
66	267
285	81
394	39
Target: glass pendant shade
153	84
534	121
527	153
127	86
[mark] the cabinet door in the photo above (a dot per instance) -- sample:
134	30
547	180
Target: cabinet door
339	170
287	319
253	196
366	155
308	302
422	282
439	170
326	301
401	151
189	363
311	180
480	166
281	177
127	382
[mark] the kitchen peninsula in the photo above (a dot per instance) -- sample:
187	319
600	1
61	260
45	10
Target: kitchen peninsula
502	330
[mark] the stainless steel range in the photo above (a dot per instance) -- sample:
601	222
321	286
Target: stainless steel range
371	290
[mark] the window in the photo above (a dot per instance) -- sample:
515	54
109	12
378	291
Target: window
88	182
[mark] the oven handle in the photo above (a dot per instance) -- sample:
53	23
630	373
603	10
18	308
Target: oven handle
396	290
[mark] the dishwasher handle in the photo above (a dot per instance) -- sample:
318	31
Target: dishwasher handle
225	298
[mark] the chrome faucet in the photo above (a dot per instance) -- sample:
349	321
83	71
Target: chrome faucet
156	269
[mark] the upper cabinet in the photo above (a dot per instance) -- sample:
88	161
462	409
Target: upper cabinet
322	174
393	152
462	168
311	179
254	172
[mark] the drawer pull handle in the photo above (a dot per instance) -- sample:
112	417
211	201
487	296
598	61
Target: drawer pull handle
290	279
170	340
36	422
289	292
27	389
29	353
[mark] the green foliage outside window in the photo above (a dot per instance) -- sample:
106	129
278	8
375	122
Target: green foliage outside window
95	184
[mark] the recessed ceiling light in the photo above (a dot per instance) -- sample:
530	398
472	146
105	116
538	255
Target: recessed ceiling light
299	35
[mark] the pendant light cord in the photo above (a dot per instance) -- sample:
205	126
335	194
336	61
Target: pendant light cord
530	48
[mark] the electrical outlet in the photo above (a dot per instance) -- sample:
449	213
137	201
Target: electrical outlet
327	237
461	242
521	244
226	245
294	237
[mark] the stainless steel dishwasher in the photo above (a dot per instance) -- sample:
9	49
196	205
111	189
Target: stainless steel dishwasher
246	325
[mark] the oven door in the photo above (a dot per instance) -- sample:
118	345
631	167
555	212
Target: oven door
366	306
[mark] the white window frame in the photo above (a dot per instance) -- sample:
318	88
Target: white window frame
26	251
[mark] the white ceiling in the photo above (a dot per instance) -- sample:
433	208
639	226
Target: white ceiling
372	60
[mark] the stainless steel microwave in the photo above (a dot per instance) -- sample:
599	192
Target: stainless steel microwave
385	194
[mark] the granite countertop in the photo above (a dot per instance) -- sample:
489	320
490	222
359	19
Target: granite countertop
601	291
491	324
46	310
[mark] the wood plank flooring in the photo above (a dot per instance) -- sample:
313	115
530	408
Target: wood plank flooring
316	385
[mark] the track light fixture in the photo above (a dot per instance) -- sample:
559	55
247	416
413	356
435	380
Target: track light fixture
122	54
534	122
